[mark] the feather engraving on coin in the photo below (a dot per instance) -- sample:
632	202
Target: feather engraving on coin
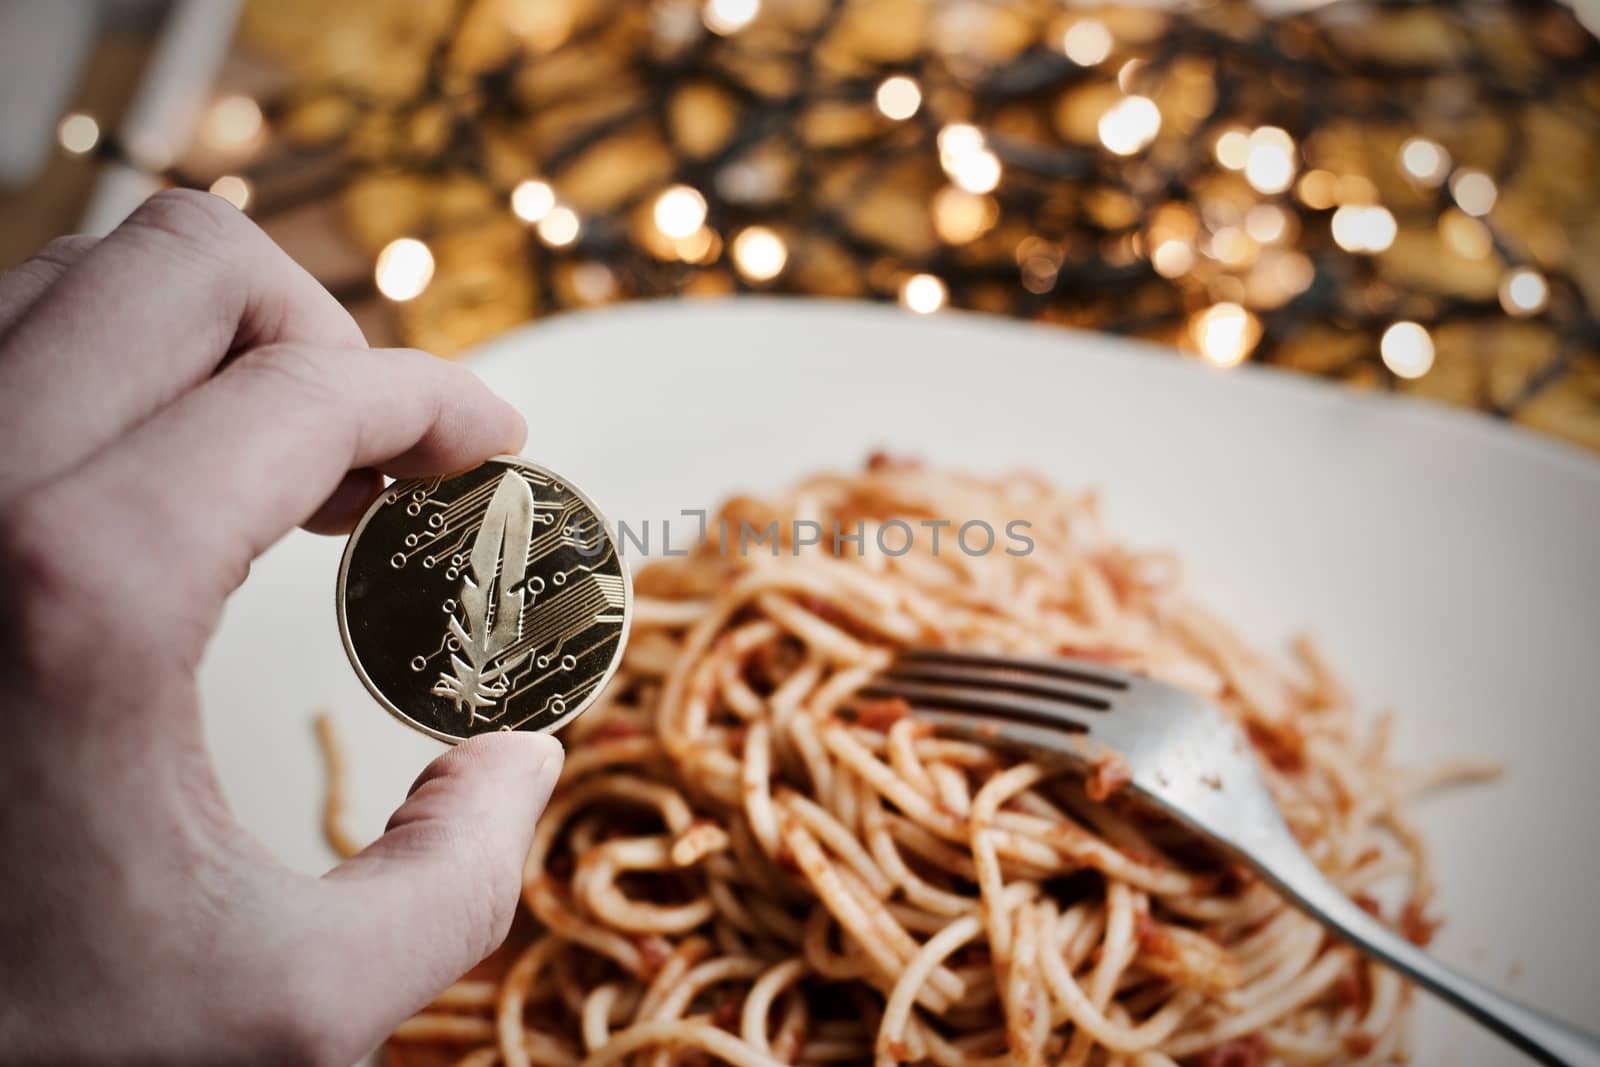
490	600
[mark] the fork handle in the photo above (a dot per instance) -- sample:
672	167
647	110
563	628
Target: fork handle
1547	1040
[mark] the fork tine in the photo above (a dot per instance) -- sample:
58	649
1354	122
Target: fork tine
997	704
1066	668
1001	677
1051	739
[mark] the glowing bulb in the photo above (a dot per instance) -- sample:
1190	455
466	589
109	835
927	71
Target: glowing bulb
680	211
1425	161
1295	273
1318	189
1465	235
1474	191
960	216
701	246
1524	292
1266	222
1087	42
532	200
1361	228
1129	125
234	122
232	188
1172	259
1230	245
560	227
759	253
729	16
1270	164
1407	349
923	293
1225	333
78	133
405	267
977	172
959	139
898	97
593	282
1233	149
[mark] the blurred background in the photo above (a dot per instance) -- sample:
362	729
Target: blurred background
1388	195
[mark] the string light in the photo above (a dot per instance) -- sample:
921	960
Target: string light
1465	235
759	253
78	133
966	160
593	282
729	16
234	189
1425	162
1270	165
532	200
560	227
959	139
234	123
1233	149
1318	189
680	211
405	267
1524	292
1407	349
1225	333
898	97
1172	258
960	216
1232	246
923	293
1266	223
1234	240
1364	229
1129	125
978	172
1087	42
1474	191
701	246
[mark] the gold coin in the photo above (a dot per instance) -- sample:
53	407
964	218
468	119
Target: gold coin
490	600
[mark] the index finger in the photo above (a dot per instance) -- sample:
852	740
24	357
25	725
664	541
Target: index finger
145	316
196	493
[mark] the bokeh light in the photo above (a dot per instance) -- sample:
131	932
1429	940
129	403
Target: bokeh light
532	200
1524	292
233	124
1129	125
560	227
1407	349
898	97
730	16
923	293
679	211
759	253
1225	333
1475	192
404	269
1087	42
234	189
78	133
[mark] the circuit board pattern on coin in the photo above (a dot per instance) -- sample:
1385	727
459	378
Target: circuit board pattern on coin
490	600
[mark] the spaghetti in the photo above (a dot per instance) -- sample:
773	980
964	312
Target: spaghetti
747	863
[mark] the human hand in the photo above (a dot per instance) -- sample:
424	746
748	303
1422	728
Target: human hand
173	399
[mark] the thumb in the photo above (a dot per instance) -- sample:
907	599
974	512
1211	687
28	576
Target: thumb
437	892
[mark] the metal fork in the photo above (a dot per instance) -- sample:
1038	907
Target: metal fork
1191	762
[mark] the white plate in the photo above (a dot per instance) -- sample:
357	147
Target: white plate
1448	565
